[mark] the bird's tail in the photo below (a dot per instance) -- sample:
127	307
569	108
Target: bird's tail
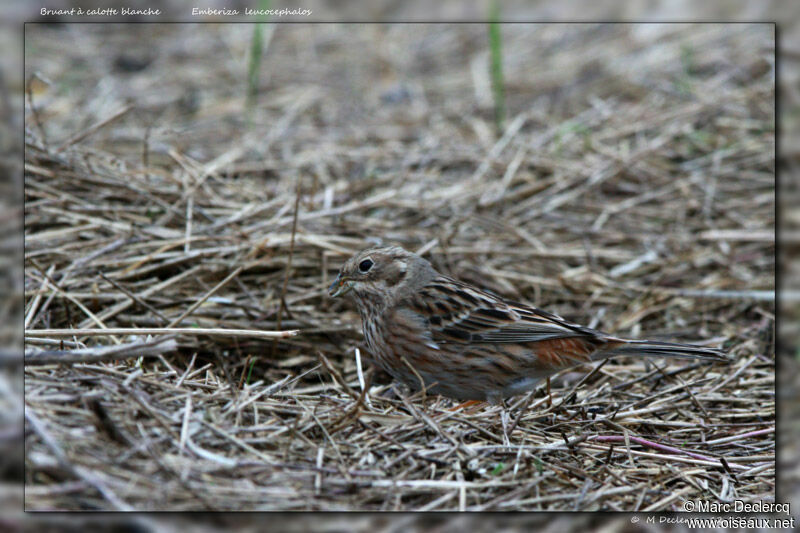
663	349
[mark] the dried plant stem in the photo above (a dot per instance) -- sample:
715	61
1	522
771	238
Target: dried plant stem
217	332
205	297
102	353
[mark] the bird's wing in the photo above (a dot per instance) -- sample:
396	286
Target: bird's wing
457	313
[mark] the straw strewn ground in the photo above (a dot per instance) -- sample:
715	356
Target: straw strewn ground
632	189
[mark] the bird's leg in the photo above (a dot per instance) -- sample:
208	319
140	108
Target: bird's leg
504	420
497	399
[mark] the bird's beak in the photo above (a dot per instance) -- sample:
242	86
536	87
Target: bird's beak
340	286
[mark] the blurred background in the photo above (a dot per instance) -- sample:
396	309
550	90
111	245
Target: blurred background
401	104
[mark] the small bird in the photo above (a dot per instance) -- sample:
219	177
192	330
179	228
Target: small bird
429	330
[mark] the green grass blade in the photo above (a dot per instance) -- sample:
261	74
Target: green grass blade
254	66
496	65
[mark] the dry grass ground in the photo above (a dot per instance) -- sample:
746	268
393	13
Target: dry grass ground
632	189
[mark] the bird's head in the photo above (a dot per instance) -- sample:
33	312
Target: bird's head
380	274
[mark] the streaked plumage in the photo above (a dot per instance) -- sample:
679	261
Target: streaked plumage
466	343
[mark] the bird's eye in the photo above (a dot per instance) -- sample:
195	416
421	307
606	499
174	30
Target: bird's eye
365	265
